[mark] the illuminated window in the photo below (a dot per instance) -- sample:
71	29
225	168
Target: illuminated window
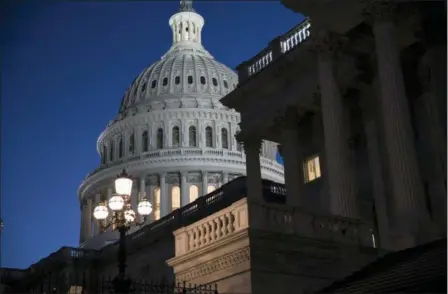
159	138
157	203
175	198
224	139
194	193
311	169
192	136
208	137
145	143
210	188
175	137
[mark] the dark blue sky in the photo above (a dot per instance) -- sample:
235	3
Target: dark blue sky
65	67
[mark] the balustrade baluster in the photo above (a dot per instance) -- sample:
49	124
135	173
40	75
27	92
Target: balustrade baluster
201	235
223	225
218	228
207	233
230	227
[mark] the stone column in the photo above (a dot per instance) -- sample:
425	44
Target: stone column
184	189
292	158
408	197
369	110
253	169
150	193
225	178
340	177
142	193
164	197
204	182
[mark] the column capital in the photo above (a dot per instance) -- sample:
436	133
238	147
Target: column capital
183	174
327	43
380	11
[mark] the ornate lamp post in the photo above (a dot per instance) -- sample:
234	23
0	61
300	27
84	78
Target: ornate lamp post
121	218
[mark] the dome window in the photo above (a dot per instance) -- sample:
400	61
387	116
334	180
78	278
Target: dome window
111	152
192	136
135	91
226	85
224	138
145	145
131	144
208	137
190	80
165	81
144	87
120	148
104	154
159	138
177	80
203	80
215	82
153	84
175	136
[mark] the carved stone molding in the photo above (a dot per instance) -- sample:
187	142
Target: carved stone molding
194	177
214	178
223	262
172	178
153	180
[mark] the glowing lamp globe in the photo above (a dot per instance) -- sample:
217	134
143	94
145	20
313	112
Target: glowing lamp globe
123	184
116	203
100	212
144	208
129	215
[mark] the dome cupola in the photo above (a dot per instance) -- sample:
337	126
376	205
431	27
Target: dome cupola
187	76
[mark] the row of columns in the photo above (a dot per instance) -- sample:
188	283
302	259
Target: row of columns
410	214
90	227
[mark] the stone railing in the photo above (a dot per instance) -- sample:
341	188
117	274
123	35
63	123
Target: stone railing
271	218
289	220
184	152
203	207
212	228
276	49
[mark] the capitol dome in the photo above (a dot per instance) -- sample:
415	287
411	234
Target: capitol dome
171	133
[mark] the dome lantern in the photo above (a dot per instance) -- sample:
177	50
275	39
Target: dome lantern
186	24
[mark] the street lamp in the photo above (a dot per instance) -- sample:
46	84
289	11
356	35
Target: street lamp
122	217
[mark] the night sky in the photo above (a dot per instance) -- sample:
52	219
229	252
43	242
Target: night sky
65	67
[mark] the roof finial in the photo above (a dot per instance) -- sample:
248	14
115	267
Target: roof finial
186	5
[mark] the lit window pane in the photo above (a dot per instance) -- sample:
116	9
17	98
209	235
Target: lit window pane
311	169
210	189
194	193
157	204
175	198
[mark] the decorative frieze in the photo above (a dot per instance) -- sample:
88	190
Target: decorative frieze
223	262
173	178
194	177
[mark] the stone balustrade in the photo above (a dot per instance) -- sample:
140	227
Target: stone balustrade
276	49
182	152
212	228
270	218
